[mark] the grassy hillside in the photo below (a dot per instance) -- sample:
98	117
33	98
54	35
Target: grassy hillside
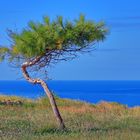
24	119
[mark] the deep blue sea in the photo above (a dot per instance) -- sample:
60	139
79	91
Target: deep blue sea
124	92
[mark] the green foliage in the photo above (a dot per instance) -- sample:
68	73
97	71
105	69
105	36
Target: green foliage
39	38
3	52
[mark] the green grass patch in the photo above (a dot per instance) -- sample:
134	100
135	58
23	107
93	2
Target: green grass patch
34	120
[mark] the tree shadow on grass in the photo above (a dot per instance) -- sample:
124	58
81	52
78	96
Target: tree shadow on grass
55	131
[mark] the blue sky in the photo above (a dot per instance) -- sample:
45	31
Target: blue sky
117	58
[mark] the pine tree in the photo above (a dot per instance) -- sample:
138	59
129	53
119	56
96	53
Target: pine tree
42	44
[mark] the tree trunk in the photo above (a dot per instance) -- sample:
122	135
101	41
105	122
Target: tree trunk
54	105
46	89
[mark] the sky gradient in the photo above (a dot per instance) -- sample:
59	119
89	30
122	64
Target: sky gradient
117	58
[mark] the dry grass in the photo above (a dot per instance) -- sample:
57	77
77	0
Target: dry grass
34	120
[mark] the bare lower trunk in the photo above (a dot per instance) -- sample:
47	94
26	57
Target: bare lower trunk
46	89
54	105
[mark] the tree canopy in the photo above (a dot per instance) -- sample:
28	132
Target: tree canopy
53	40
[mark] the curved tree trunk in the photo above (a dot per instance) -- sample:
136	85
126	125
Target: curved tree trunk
46	89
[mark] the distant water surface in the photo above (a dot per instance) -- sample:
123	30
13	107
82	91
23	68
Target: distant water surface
125	92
